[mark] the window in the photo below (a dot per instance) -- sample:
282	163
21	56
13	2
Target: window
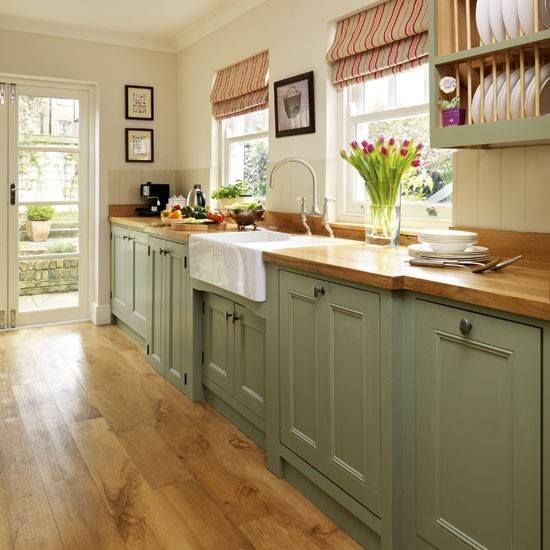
245	148
398	106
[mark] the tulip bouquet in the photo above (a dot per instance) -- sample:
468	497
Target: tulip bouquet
382	166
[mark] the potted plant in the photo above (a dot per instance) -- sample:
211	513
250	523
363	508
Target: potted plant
226	194
382	165
39	222
453	115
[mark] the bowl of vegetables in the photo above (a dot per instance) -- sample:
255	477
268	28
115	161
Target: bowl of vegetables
246	214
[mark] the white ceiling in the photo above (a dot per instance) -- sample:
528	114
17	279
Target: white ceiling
159	24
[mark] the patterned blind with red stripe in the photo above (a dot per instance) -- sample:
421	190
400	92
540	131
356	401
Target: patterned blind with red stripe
242	87
388	38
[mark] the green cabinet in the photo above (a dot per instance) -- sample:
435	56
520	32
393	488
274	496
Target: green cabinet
475	458
167	327
330	382
234	353
130	278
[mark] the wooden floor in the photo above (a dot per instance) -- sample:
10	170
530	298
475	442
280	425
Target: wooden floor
97	451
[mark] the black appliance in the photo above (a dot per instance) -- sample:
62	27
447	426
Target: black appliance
156	195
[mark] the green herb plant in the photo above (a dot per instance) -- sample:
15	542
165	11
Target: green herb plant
40	213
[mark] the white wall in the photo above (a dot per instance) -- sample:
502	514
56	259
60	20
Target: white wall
491	189
297	35
110	68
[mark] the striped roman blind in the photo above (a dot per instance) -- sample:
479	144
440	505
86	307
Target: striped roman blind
387	38
242	87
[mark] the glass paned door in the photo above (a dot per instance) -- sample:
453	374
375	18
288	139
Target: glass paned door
48	205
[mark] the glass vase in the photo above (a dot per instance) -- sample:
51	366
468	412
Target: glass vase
382	223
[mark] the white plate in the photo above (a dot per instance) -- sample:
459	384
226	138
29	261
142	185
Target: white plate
472	252
527	17
515	100
501	79
511	17
476	102
501	101
496	20
447	234
483	22
530	99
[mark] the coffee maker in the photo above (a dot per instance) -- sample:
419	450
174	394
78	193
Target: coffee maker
156	195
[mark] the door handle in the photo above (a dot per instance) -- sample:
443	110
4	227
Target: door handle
12	194
228	315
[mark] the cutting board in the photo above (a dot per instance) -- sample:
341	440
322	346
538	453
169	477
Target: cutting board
182	226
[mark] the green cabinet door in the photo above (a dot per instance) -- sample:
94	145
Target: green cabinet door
249	360
155	316
138	287
350	385
330	382
176	287
478	430
301	355
119	272
218	341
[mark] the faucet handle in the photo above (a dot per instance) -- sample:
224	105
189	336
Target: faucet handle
303	203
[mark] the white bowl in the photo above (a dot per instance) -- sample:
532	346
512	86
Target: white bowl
449	247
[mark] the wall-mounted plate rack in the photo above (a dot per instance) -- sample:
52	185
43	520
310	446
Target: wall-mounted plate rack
503	85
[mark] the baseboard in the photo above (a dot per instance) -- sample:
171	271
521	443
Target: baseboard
100	314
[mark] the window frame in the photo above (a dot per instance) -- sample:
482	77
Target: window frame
225	146
414	215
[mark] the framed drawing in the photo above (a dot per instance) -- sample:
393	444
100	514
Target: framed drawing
295	106
139	145
139	102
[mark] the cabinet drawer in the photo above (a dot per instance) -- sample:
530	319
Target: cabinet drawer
478	429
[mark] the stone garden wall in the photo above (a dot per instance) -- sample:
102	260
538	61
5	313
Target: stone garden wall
48	276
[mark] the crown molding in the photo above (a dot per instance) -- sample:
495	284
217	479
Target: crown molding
82	32
212	22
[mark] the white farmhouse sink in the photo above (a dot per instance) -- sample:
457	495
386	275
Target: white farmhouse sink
233	261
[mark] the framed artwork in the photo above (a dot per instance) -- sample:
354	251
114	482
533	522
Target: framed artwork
295	106
140	145
139	102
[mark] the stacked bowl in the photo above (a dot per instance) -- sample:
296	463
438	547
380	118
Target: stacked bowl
446	244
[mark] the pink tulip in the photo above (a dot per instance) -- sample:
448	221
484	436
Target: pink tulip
406	143
365	143
404	152
420	146
381	140
384	152
370	148
416	163
354	145
392	142
366	150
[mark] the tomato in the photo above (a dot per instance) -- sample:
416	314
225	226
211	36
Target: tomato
216	217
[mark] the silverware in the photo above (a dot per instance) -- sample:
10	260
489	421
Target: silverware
487	266
465	264
505	263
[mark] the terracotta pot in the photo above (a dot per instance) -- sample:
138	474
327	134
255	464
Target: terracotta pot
38	231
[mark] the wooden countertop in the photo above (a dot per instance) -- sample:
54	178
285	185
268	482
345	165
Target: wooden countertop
517	289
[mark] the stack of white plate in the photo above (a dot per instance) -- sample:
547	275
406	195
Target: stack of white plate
448	244
501	19
425	252
515	95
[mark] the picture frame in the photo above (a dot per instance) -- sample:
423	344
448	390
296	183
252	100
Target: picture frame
295	105
140	145
139	102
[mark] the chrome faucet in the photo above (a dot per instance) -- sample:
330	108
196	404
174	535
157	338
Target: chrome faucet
302	200
315	207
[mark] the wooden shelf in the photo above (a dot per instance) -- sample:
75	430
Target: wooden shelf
492	49
504	133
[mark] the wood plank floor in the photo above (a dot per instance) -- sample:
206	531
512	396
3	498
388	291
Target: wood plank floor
97	451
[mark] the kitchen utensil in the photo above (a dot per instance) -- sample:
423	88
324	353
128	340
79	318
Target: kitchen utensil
445	263
196	197
487	266
506	263
483	20
244	217
496	20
